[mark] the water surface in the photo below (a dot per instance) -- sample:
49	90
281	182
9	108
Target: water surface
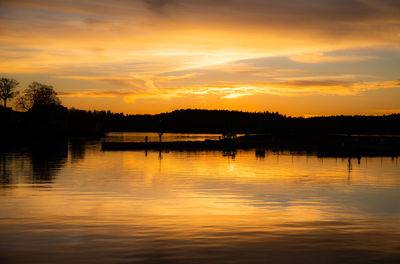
80	205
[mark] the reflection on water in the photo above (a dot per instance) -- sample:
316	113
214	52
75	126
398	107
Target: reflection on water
81	205
39	165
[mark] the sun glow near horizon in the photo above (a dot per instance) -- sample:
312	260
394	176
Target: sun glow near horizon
152	56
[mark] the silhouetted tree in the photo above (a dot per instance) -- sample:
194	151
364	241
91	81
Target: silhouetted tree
38	94
7	89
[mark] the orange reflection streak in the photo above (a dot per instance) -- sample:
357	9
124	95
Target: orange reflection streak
114	202
199	186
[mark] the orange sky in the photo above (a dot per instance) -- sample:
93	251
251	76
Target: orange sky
148	56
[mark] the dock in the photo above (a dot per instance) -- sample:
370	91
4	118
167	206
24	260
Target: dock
326	145
174	145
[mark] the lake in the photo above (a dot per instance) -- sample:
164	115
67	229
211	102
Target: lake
78	204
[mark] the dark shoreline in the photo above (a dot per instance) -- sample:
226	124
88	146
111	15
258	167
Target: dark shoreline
322	145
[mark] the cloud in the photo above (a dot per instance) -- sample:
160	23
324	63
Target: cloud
227	49
158	5
140	82
167	78
95	22
118	81
348	19
98	93
318	76
317	83
284	88
385	6
385	111
319	57
195	33
330	87
232	91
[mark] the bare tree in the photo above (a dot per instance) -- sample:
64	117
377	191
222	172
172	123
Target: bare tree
7	89
38	94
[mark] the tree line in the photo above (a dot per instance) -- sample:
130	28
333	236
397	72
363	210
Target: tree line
36	94
222	121
45	115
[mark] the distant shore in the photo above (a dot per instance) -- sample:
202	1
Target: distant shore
326	145
329	136
58	121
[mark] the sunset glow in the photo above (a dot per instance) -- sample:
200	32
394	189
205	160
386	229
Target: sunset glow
301	58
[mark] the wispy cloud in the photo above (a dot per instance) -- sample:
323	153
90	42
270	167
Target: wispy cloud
98	93
319	57
231	91
119	81
385	111
158	5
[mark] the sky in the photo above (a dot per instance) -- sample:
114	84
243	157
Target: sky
296	57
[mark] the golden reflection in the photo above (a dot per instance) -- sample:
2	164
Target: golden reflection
133	198
205	184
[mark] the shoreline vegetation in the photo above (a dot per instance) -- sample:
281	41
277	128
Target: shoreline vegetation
45	120
56	120
350	136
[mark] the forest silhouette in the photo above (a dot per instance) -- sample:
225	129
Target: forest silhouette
58	120
45	119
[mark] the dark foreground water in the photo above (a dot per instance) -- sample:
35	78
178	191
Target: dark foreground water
81	205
